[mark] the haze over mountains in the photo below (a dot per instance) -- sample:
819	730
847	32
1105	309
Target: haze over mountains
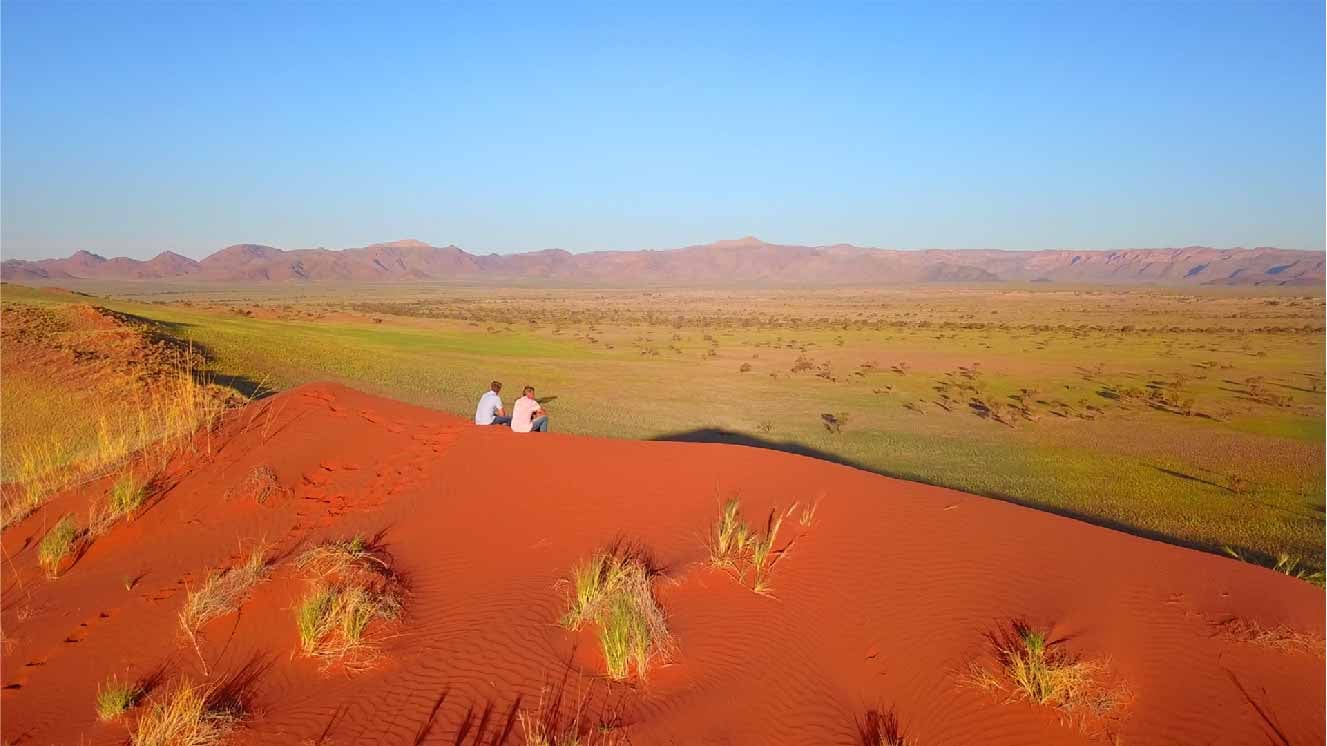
745	261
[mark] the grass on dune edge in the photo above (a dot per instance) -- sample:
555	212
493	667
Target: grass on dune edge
1187	416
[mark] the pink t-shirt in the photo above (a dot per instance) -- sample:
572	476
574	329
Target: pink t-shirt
522	414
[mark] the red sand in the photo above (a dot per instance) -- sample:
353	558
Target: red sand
882	603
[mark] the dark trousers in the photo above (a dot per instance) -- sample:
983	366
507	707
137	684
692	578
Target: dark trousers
500	420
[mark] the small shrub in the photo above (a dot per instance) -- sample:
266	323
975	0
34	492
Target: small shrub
57	544
115	697
186	716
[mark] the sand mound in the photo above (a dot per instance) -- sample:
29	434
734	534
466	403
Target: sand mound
880	605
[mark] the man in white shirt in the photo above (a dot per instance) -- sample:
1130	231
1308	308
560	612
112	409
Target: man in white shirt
526	414
490	410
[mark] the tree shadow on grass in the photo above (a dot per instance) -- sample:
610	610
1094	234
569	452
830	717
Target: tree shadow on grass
730	437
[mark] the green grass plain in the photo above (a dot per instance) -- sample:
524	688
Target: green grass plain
1228	451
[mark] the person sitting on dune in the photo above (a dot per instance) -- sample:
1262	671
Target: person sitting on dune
490	410
527	416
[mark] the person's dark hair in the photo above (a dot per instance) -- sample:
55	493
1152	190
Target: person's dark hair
527	390
496	386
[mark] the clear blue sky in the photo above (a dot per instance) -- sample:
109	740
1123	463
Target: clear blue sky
133	128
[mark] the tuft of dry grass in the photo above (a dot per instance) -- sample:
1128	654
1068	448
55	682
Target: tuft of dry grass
185	716
734	545
221	593
1033	668
338	557
57	544
613	590
549	725
353	586
880	728
115	697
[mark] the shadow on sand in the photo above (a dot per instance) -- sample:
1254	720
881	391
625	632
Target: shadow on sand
730	437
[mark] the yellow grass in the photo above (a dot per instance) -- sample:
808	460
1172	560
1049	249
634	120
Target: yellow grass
184	717
155	422
613	590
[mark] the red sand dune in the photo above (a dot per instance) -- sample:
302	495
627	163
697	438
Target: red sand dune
881	603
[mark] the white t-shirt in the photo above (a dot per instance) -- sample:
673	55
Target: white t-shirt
522	414
489	404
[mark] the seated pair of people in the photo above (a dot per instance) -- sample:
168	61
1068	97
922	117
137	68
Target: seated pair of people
527	416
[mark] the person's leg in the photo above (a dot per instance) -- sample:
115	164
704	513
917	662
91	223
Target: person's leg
501	421
540	425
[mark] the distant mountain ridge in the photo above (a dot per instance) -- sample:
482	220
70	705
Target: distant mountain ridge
743	261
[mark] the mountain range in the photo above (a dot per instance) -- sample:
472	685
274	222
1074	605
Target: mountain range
744	261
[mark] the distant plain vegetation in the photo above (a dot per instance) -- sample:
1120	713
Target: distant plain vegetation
1192	416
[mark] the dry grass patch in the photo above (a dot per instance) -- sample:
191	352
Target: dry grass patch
736	546
187	715
881	728
1038	670
353	586
564	719
221	593
613	590
115	697
1278	638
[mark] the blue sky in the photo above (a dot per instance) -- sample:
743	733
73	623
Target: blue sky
133	128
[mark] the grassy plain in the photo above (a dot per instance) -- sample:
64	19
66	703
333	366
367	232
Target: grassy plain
1193	416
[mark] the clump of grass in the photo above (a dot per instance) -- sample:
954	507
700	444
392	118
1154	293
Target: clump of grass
736	546
185	716
1034	668
613	590
221	593
333	620
57	544
548	725
880	728
353	587
115	697
127	495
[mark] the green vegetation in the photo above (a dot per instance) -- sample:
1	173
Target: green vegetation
115	697
127	495
613	590
186	715
57	544
1193	416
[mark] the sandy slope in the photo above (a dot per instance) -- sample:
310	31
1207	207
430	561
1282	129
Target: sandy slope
882	602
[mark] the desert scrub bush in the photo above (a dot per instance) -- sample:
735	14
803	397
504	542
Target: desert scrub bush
185	716
115	697
735	546
58	543
221	593
613	590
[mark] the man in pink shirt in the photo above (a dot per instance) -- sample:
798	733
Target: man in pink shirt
526	414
